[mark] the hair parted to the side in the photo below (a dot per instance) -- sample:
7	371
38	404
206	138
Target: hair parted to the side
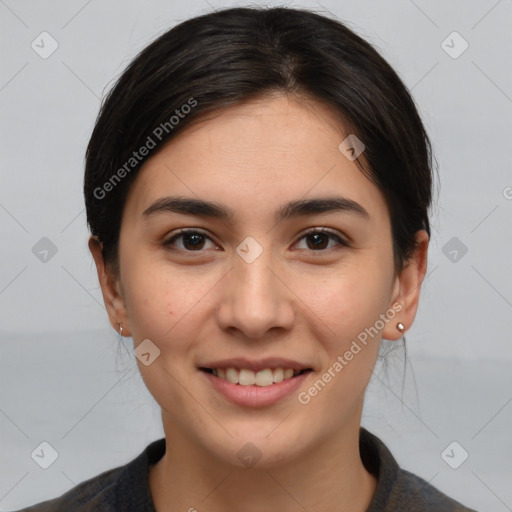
230	56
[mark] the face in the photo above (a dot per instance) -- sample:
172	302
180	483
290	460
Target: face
252	285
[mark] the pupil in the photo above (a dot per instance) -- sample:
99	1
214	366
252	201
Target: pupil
195	237
316	235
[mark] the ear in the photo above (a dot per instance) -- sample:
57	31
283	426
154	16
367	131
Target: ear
111	289
406	289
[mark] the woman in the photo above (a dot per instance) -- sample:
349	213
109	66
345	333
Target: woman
257	188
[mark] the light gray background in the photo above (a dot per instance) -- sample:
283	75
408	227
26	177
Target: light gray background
65	377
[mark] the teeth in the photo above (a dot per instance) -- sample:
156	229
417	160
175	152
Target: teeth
246	378
263	378
278	375
232	375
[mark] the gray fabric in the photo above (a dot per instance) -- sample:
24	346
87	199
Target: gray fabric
126	488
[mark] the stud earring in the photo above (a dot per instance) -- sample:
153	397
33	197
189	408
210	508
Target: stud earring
400	326
120	328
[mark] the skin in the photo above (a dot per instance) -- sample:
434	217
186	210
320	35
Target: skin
293	301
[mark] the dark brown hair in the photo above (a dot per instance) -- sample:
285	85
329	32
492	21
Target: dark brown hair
230	56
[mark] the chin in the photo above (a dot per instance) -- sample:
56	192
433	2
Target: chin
252	448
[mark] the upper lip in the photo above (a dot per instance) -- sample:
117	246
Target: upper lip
256	365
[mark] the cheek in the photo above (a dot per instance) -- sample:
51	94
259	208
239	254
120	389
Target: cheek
152	300
351	309
150	307
348	301
164	302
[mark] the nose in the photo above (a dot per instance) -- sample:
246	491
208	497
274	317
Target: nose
255	298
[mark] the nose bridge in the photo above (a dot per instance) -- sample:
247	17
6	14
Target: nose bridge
254	299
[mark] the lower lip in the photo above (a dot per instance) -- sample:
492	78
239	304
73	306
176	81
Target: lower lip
256	396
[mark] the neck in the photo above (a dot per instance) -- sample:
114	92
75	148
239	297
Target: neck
330	476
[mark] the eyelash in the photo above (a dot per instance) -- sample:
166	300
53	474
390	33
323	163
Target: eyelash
187	231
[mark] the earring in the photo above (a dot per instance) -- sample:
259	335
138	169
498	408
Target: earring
120	328
400	326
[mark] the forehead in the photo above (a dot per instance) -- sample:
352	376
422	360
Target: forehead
255	156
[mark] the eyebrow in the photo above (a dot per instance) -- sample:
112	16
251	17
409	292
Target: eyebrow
292	209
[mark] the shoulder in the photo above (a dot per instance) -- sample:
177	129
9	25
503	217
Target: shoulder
121	488
415	493
399	490
97	493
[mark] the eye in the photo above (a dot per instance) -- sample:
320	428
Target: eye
193	240
320	236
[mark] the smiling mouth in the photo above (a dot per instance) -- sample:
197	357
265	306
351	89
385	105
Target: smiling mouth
263	378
